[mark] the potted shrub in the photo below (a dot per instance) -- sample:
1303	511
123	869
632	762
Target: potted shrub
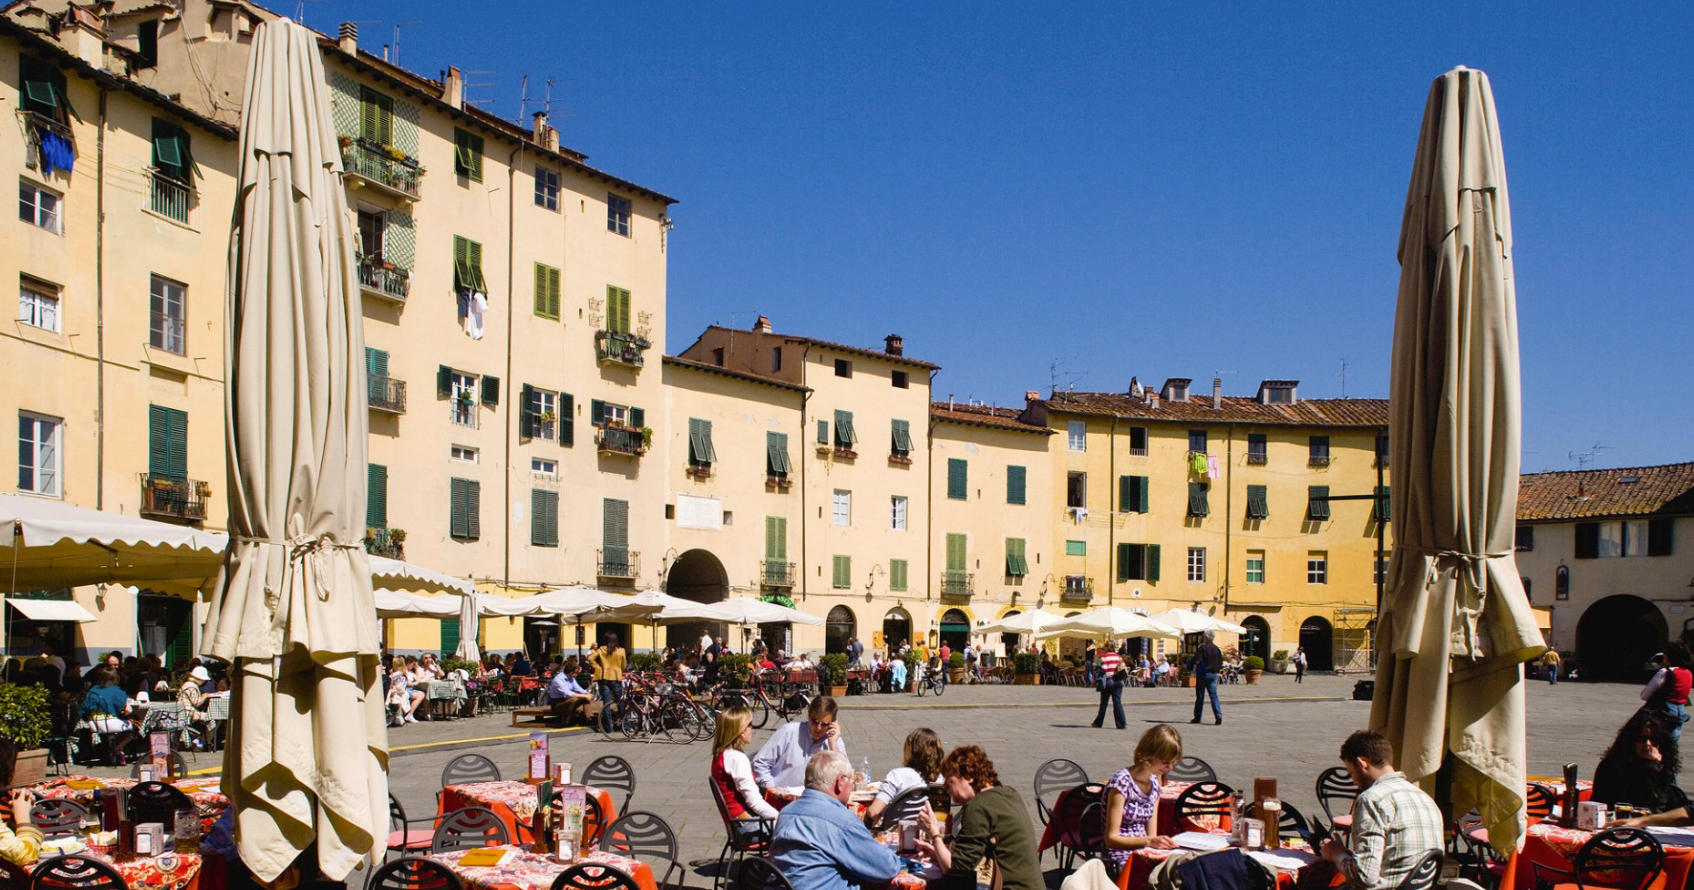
832	674
1279	661
1251	667
645	662
1026	669
911	660
956	667
736	666
25	721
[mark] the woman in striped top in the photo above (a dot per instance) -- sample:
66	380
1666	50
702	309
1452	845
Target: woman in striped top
1111	677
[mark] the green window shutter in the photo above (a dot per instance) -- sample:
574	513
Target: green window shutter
1144	484
1151	570
491	390
1317	501
902	438
1383	513
43	88
700	450
167	442
444	381
544	518
567	419
776	538
1076	548
842	572
376	496
1123	561
615	527
958	481
956	553
555	285
473	504
376	116
467	154
776	454
1198	504
462	277
823	432
596	412
526	412
1258	506
637	417
376	362
1016	490
458	511
170	150
477	281
1659	537
1016	564
541	291
845	437
1126	495
449	636
897	570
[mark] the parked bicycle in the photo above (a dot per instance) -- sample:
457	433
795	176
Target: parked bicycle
649	709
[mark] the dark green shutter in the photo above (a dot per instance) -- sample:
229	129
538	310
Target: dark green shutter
1124	495
170	150
596	412
1587	540
1659	537
700	450
776	454
544	517
376	496
958	482
43	89
902	431
845	437
1124	551
491	390
1151	569
823	432
615	531
376	362
462	277
1132	494
567	419
444	381
1016	487
1258	506
376	116
1143	485
776	538
1198	504
1383	513
526	412
167	442
449	636
1017	562
1317	501
637	418
956	553
458	509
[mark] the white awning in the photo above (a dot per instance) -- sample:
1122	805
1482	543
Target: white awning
52	610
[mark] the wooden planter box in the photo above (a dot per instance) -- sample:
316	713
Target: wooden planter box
1026	679
31	767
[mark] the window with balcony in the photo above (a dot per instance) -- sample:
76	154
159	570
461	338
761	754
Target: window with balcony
384	393
898	520
172	193
620	429
1317	451
546	188
1197	564
373	225
39	455
166	490
1138	562
169	326
1255	567
1138	441
617	215
842	507
39	206
1317	567
38	303
618	341
467	154
956	581
1258	449
1017	561
1077	435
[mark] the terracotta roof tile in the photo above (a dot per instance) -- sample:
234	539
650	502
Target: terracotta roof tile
1233	409
1575	494
680	362
985	416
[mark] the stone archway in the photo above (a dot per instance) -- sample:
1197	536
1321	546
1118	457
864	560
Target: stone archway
1257	639
839	627
955	629
1009	642
1317	635
896	629
1616	635
696	575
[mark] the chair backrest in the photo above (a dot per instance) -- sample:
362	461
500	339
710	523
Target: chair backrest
157	802
1191	770
396	814
759	873
469	768
1053	778
13	875
80	872
906	805
1204	800
1539	801
640	835
1336	784
468	829
1069	808
58	818
414	873
1423	874
722	805
1092	829
176	766
611	773
594	877
1619	857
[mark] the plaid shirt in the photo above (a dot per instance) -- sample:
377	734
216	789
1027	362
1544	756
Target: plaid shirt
1394	823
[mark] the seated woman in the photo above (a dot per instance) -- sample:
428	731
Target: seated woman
22	845
1132	798
732	772
105	709
920	764
992	817
401	692
1641	765
897	674
191	695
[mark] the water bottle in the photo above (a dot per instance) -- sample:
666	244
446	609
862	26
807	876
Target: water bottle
864	772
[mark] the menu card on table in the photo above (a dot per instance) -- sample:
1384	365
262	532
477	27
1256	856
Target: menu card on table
486	857
537	756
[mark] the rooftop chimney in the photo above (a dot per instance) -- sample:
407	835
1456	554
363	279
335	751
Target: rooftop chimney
763	325
538	129
1030	395
453	88
1217	393
349	40
896	345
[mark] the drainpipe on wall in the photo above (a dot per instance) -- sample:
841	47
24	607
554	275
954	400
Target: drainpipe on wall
1111	520
928	498
805	422
511	387
100	309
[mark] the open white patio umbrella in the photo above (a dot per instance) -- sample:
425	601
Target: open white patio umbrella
1457	628
393	574
1188	621
1021	623
402	604
1106	622
295	616
740	610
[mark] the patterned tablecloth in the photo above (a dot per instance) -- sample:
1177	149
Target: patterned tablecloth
1551	845
145	873
1066	831
203	791
1142	862
514	803
533	871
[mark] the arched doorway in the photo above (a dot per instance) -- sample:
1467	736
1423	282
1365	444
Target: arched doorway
1616	636
955	629
1318	638
896	629
695	575
1257	639
839	627
1009	642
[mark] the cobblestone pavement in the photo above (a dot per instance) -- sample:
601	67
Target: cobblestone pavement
1276	728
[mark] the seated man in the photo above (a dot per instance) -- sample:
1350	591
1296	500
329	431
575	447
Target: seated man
818	844
1394	822
566	696
781	763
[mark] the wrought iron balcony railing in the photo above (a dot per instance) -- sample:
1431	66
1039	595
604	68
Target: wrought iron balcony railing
957	584
377	164
776	574
387	394
1077	589
384	278
621	347
170	198
618	564
621	440
174	497
389	542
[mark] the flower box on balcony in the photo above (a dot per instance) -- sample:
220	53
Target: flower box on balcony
700	472
845	453
782	483
901	459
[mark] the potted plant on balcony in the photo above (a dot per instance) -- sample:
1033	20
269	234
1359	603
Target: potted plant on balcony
1252	667
832	674
646	438
25	721
546	417
956	667
1026	669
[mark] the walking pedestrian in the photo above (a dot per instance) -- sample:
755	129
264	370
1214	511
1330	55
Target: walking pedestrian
1300	664
1551	660
608	662
1206	664
1110	676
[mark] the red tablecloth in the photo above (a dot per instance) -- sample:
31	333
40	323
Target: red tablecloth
514	803
1549	844
203	791
1142	862
144	873
533	871
1065	829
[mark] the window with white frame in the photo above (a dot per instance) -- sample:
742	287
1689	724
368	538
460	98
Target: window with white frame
899	518
1078	435
617	215
38	454
843	514
1196	563
1317	567
461	406
169	327
39	206
1634	538
546	188
544	404
38	303
547	469
464	453
1255	567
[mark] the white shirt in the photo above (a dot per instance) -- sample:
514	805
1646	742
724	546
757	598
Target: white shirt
735	763
781	763
898	781
705	642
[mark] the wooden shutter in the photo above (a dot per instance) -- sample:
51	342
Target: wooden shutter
615	530
458	511
841	572
845	437
902	438
596	412
462	278
491	390
567	419
1124	551
1126	495
776	538
449	637
1016	564
544	517
1198	504
1016	489
776	454
956	556
1151	569
376	496
958	482
526	412
444	381
617	309
823	432
700	450
477	281
637	417
1257	504
473	504
376	116
1317	501
541	291
897	575
1143	484
1587	540
376	362
167	442
1659	537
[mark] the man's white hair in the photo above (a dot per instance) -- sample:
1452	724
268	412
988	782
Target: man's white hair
825	768
1209	635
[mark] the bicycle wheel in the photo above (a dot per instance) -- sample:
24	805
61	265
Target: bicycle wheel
632	722
761	710
940	687
677	720
923	687
705	723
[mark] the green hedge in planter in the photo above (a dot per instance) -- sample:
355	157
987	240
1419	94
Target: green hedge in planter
1253	663
832	670
645	662
1279	655
1026	663
956	661
25	719
736	666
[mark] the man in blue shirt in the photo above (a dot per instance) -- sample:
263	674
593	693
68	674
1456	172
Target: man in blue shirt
566	696
784	761
818	844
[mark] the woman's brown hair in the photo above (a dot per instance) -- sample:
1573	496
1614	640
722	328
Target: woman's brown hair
970	763
922	752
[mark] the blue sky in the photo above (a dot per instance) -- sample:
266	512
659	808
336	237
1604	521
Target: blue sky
1129	189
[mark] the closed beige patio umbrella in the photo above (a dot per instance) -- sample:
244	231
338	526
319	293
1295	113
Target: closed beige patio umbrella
295	615
1456	627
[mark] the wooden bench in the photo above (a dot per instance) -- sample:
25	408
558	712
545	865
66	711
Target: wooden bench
529	716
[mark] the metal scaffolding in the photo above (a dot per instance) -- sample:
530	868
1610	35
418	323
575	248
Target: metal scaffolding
1354	628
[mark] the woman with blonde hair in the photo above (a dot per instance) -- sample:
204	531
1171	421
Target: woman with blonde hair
920	764
1132	797
732	772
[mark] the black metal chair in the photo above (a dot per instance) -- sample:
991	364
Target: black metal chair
1204	800
761	874
13	875
594	877
402	837
469	768
157	802
1091	831
649	838
58	818
468	829
1069	813
177	767
741	837
1424	874
413	873
611	773
1604	861
1055	777
79	872
1191	770
906	805
1336	784
1539	801
1290	822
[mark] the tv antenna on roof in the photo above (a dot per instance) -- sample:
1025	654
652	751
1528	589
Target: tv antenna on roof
397	28
1584	458
300	10
480	83
1344	378
1054	374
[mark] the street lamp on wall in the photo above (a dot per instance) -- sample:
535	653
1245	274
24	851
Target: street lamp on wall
870	580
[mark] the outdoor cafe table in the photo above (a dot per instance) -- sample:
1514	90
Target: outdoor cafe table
1551	845
80	789
514	803
1141	863
535	871
1067	832
143	872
